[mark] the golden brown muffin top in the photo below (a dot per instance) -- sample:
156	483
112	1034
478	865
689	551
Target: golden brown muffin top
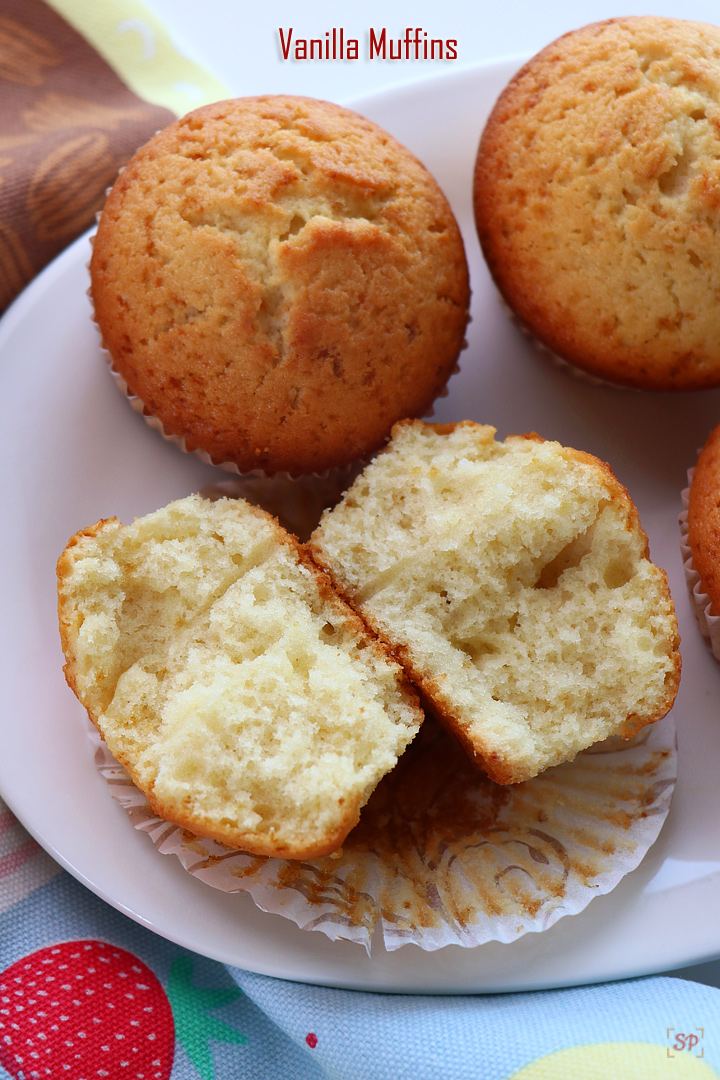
597	189
704	518
279	281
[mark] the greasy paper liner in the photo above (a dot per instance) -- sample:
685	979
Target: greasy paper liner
555	359
708	623
442	855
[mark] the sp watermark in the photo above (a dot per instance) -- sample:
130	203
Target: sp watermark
684	1042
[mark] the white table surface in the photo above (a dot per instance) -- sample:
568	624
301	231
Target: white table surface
238	41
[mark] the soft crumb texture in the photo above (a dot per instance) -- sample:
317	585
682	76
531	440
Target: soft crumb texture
703	518
246	700
278	280
513	580
597	189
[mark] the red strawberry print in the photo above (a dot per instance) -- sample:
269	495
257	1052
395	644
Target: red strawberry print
85	1009
81	1010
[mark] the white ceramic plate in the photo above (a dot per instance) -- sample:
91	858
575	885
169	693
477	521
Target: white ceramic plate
73	452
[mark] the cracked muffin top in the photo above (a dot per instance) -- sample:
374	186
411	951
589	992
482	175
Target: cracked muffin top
597	190
279	280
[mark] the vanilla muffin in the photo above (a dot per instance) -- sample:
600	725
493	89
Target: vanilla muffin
278	281
597	187
513	581
245	699
703	519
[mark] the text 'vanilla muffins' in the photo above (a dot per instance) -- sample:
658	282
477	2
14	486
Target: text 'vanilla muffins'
513	581
245	699
596	191
278	281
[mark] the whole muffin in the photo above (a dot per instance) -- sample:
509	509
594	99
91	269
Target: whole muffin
278	281
597	189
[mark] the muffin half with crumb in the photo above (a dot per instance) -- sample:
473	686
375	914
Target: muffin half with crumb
245	699
513	581
278	280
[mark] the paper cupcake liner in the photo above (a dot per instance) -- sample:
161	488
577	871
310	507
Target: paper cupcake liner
559	361
442	856
708	623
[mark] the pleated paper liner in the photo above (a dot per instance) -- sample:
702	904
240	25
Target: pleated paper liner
708	623
442	856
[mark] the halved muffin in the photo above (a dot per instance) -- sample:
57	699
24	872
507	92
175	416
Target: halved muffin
513	581
247	701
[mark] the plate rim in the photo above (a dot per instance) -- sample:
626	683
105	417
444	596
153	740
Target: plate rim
23	308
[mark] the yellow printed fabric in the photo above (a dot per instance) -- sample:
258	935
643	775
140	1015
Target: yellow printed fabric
139	49
678	1060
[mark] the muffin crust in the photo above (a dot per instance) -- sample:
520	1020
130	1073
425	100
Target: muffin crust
278	280
704	518
597	187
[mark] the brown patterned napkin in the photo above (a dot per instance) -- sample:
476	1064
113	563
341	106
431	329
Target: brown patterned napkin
67	124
